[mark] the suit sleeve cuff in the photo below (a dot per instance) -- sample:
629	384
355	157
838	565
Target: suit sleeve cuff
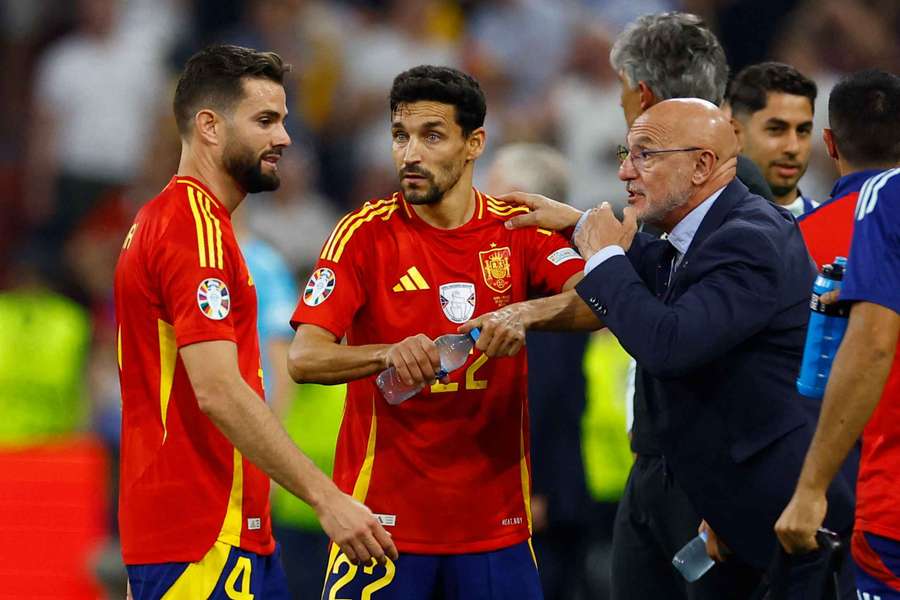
602	255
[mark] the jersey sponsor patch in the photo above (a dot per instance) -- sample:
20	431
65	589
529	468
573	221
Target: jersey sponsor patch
214	299
458	301
562	255
319	287
386	520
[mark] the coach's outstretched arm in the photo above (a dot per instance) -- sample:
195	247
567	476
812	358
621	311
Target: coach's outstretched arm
253	429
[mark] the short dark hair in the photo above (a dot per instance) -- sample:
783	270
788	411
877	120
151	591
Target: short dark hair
864	116
675	54
213	78
749	90
445	85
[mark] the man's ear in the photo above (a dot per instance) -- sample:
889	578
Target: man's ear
475	143
703	169
209	127
738	132
830	144
648	98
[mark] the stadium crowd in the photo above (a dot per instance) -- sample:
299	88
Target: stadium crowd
88	138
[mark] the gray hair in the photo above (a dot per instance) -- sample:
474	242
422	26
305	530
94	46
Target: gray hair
535	168
674	54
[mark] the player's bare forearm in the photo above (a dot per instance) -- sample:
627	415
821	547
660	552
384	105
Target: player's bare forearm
503	330
315	356
248	423
857	379
255	432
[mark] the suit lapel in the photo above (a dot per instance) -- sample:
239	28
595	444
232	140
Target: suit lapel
730	196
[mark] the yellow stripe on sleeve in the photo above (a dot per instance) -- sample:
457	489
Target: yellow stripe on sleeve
339	227
218	243
384	212
348	222
201	245
210	240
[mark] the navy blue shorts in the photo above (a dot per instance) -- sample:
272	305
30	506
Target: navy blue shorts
506	574
876	563
225	573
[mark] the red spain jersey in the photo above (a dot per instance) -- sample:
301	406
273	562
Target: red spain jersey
180	280
447	471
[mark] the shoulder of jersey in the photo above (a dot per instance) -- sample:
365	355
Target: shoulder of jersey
502	211
882	187
373	214
185	209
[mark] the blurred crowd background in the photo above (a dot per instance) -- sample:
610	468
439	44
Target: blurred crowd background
87	136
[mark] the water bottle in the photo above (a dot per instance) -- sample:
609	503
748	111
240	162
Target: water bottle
692	561
827	325
453	348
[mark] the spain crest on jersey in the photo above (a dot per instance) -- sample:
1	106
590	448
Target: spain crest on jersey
495	268
214	299
458	301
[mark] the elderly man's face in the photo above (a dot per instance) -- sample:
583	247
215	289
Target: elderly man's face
657	183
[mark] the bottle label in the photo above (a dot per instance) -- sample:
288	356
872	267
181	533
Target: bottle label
835	309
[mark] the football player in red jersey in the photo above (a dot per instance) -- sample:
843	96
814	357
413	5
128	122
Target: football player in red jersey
198	440
448	471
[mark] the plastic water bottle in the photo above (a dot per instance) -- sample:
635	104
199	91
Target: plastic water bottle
453	349
692	561
827	325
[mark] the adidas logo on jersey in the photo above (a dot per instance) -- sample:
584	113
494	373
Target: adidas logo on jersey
411	282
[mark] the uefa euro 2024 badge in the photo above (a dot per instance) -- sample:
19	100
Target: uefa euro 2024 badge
458	301
214	299
319	287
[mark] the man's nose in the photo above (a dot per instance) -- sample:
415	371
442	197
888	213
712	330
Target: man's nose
627	172
412	154
282	138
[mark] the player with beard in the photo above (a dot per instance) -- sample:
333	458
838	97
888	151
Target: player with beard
447	471
199	442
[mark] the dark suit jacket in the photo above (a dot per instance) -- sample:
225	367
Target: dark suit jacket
720	349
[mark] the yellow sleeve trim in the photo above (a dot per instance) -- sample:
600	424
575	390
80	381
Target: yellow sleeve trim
384	212
351	222
209	229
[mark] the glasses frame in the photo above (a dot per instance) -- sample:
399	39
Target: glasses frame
623	153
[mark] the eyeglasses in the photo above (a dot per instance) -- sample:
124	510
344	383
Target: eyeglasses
639	157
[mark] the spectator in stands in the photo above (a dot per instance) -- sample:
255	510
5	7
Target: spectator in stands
92	92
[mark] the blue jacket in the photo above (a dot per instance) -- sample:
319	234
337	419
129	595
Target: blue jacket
720	349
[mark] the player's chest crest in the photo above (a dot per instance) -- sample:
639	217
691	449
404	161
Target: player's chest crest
495	268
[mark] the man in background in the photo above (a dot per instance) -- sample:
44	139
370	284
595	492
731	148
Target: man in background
863	393
772	112
556	399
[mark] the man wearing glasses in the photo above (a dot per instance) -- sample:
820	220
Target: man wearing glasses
715	315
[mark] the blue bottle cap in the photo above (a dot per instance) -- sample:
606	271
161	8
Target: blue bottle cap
475	334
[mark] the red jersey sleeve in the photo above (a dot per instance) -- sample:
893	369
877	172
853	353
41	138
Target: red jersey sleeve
334	292
197	298
551	261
